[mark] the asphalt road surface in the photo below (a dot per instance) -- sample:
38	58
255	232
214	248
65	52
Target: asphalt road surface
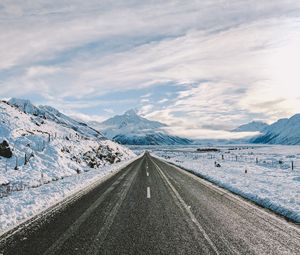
151	207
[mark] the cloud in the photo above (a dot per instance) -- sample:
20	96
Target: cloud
239	64
111	111
38	71
147	95
145	109
208	104
208	133
164	100
235	55
86	118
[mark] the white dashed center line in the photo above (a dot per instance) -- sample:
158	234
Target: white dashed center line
148	192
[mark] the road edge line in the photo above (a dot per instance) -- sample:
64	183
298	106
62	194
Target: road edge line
188	210
250	204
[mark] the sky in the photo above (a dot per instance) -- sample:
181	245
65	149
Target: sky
202	67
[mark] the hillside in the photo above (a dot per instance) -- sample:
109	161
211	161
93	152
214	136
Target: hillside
39	145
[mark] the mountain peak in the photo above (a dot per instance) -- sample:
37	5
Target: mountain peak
24	105
131	128
131	112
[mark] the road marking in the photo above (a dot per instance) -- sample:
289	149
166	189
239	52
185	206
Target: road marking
148	192
241	201
188	210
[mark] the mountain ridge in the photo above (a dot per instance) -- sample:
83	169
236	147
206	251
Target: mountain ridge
284	131
49	113
252	126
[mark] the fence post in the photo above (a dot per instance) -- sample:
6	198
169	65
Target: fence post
16	167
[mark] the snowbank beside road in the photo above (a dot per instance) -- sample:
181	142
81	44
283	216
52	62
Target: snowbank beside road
23	205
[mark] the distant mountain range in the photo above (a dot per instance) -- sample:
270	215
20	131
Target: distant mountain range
132	129
284	131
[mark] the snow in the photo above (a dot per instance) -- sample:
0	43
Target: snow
53	155
130	128
41	113
284	131
270	182
129	123
21	206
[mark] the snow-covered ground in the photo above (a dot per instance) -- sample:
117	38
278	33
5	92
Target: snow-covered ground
45	156
260	173
44	150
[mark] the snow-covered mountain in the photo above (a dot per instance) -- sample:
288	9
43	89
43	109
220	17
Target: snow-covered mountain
129	123
39	145
132	129
283	131
253	126
51	114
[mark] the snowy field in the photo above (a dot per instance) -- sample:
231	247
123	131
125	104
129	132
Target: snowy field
263	174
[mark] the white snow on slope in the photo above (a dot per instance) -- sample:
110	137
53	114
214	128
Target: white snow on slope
283	131
129	123
269	182
51	114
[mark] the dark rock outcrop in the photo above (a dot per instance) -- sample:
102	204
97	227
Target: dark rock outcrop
5	150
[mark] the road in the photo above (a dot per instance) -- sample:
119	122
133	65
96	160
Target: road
152	207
